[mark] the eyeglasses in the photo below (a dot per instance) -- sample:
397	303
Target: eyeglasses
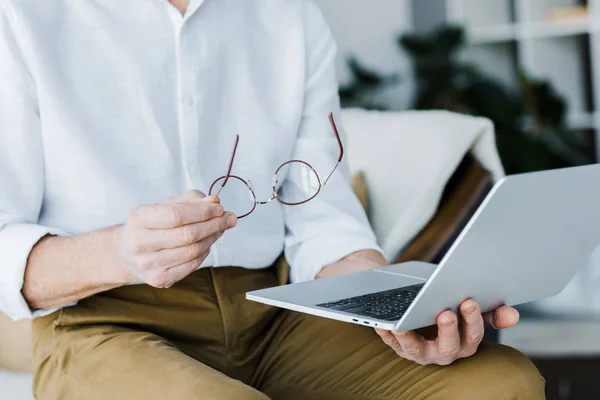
302	182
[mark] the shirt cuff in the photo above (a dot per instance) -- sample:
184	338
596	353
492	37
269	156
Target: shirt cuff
16	242
318	254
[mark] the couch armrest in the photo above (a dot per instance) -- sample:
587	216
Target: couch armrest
15	344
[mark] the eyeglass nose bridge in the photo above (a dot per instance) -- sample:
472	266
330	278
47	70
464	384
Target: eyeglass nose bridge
251	188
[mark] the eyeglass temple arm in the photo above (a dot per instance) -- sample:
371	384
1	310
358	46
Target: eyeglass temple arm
339	140
235	146
337	136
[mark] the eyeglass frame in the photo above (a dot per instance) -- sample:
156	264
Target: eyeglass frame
226	177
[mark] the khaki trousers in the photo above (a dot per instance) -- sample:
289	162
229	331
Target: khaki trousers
201	339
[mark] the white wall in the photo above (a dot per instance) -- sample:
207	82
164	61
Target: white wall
368	29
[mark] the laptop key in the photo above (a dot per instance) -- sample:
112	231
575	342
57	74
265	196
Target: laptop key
389	305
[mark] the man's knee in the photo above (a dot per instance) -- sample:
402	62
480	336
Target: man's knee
521	378
50	384
112	362
496	372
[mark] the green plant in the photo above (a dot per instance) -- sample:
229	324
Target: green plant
530	123
363	90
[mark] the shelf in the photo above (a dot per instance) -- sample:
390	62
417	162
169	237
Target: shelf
553	10
582	120
537	30
483	13
493	34
554	40
540	30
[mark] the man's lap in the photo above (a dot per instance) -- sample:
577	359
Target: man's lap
316	358
108	347
112	362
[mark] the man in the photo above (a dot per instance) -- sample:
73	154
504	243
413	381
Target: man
109	111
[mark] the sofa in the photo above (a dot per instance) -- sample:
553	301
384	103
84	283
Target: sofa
420	175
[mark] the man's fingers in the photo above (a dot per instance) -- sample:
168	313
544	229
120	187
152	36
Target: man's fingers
193	233
472	326
190	197
180	255
194	196
169	277
170	200
153	240
413	345
389	339
175	274
448	341
173	215
503	318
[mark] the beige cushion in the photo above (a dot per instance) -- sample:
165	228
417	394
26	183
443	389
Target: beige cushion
15	344
359	185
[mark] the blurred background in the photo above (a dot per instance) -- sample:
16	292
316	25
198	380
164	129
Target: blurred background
533	68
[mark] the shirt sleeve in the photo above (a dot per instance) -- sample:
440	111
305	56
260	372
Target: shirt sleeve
333	224
21	173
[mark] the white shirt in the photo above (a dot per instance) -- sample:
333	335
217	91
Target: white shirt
108	104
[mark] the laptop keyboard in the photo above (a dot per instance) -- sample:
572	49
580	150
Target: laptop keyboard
385	306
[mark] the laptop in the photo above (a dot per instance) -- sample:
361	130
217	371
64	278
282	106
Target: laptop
525	242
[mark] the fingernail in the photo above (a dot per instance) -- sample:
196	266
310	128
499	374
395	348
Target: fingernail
447	319
447	323
471	309
231	221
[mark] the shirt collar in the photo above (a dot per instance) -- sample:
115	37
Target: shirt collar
193	7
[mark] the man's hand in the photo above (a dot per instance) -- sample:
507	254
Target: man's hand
159	245
452	339
355	262
455	339
163	243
